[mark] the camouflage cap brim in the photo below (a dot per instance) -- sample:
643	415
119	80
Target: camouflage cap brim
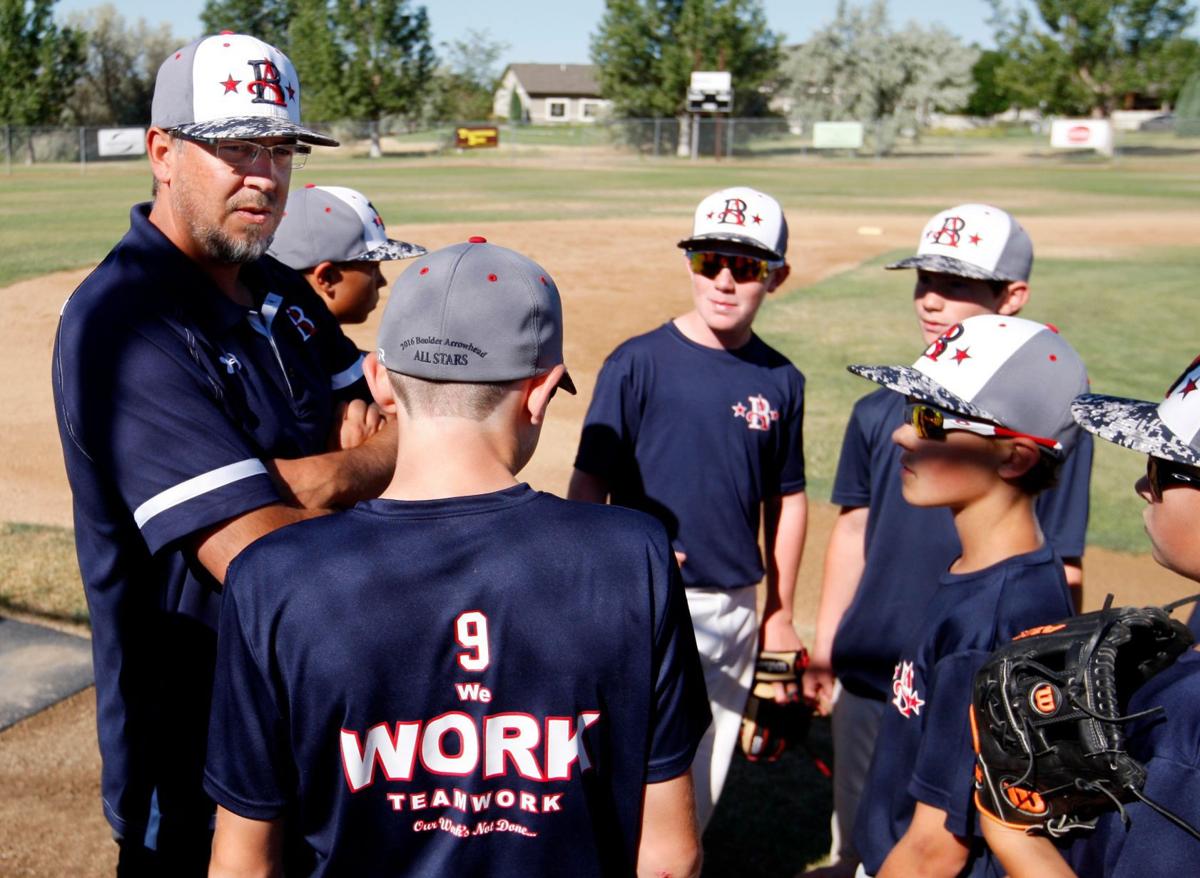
744	242
1132	423
390	251
910	382
947	265
253	128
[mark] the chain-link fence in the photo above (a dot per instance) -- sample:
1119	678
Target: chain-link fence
694	137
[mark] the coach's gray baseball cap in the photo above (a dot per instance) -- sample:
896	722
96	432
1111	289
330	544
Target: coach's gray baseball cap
334	224
976	241
473	313
1017	373
1169	429
230	85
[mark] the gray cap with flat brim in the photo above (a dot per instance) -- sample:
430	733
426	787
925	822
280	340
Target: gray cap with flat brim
230	86
334	224
1169	429
976	241
1013	372
473	313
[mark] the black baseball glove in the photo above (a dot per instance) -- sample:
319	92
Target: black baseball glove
769	728
1049	712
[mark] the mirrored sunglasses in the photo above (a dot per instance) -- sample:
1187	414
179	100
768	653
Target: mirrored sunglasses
1163	474
743	268
932	422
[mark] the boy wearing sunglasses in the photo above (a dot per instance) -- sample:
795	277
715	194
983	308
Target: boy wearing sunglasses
988	425
884	556
1167	743
699	423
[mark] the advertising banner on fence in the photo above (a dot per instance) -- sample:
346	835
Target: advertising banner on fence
476	136
837	135
121	142
1094	134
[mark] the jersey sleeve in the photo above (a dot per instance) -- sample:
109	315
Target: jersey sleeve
681	712
852	483
791	450
944	773
248	748
1063	510
143	413
611	426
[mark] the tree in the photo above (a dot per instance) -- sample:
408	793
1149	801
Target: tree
266	19
314	45
116	84
1085	56
988	98
646	51
466	82
858	67
389	60
39	62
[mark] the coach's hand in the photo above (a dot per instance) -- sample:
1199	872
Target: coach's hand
354	423
818	684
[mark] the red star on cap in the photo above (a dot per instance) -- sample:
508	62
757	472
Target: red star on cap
710	213
961	354
231	84
378	221
757	219
974	239
291	93
1188	388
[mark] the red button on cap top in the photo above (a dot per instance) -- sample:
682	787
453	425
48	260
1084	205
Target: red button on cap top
477	239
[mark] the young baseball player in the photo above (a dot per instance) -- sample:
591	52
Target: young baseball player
1166	743
465	676
336	239
884	555
988	424
699	422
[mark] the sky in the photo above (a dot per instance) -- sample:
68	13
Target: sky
558	31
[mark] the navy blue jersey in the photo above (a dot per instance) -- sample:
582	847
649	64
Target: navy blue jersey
1168	745
929	756
454	687
908	548
698	437
169	398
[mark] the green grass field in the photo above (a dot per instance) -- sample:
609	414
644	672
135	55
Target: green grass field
1128	313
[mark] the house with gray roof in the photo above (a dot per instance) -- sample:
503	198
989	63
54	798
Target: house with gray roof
550	93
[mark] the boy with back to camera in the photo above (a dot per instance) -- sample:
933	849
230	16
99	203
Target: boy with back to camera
335	237
1167	743
700	423
988	425
465	676
884	555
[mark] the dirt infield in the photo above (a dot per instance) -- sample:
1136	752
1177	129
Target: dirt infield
617	278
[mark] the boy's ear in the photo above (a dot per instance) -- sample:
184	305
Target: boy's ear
541	391
326	275
377	378
1014	298
1022	457
778	276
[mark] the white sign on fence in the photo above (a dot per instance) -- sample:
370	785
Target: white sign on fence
837	135
121	141
1094	134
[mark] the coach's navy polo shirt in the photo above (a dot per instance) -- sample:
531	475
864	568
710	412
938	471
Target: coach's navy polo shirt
1168	745
909	548
928	755
476	685
169	398
698	437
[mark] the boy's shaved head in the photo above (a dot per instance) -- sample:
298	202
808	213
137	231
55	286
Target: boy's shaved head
423	398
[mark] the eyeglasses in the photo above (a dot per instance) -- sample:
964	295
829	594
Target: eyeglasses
1163	474
743	268
242	154
933	423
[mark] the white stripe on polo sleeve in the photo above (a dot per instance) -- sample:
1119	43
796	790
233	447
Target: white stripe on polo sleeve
348	376
194	487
